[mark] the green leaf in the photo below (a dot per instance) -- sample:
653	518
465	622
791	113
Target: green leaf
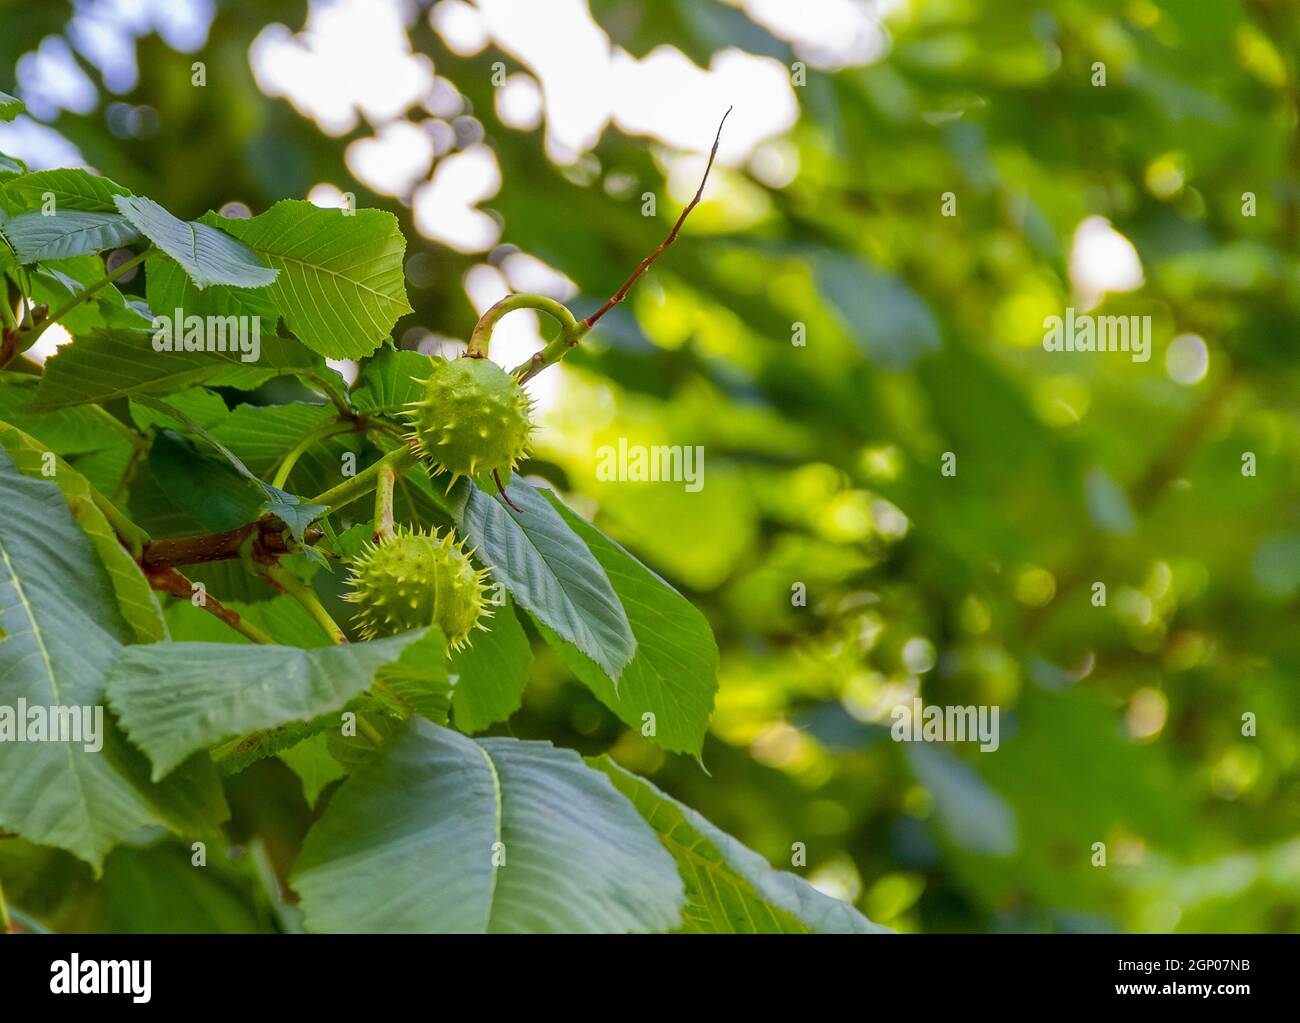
176	698
261	435
158	890
674	673
341	285
205	486
311	761
200	431
293	511
351	542
491	672
281	616
110	469
238	754
57	281
418	500
69	431
168	288
730	889
70	188
418	682
967	809
391	380
35	236
205	407
207	255
135	598
59	632
375	726
10	106
892	325
109	364
413	842
10	168
549	570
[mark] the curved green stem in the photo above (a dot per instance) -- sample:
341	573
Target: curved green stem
332	391
25	288
300	591
365	481
482	335
247	629
552	353
35	332
299	449
370	732
11	321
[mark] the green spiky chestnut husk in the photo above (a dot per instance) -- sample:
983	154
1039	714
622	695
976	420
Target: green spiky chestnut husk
414	579
473	419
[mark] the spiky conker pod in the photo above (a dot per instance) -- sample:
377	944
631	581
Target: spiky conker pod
416	579
473	419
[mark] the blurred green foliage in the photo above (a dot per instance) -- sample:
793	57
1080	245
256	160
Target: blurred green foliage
1120	724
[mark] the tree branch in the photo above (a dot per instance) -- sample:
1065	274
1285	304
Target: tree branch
269	543
619	295
171	582
365	481
572	332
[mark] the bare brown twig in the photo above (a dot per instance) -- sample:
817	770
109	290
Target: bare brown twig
174	584
496	475
621	294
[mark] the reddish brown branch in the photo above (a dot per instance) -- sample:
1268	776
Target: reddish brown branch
496	475
171	582
619	295
270	543
174	584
